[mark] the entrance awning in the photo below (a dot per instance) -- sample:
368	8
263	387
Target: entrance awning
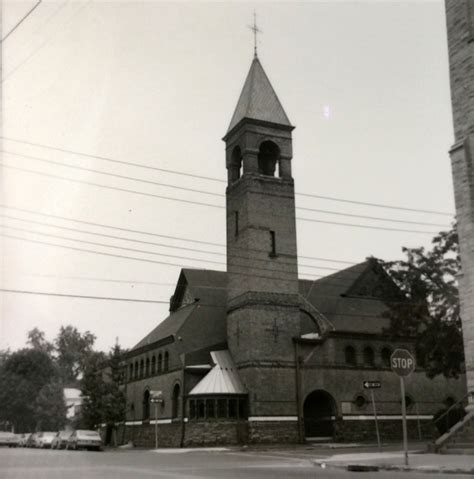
221	379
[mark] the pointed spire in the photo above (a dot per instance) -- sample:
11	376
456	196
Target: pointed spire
258	100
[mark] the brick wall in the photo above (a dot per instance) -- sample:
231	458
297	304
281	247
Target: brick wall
460	26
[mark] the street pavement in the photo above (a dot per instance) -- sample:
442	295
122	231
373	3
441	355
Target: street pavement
176	464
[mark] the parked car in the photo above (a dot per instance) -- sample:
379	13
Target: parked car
84	439
8	439
23	439
45	439
32	440
60	440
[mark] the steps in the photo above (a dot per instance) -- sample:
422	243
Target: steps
459	439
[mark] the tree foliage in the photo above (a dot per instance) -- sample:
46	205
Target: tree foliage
37	340
431	311
25	377
104	401
72	350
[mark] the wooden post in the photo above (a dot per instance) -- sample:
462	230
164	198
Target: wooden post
404	420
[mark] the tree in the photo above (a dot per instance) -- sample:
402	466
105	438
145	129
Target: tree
23	376
104	401
72	350
431	311
37	340
50	407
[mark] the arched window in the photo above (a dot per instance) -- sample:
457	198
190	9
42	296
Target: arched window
360	401
235	169
160	363
175	401
386	353
136	369
153	364
130	373
369	356
268	156
146	405
147	367
350	356
142	368
166	364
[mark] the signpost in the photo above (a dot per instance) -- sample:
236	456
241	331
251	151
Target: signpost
374	385
403	364
156	397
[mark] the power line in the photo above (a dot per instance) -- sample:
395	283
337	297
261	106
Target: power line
140	165
123	190
370	227
197	303
327	279
104	280
120	162
82	296
21	21
77	230
101	225
378	228
164	255
41	45
220	195
153	234
179	265
114	175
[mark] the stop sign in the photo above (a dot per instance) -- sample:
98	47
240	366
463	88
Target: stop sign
402	362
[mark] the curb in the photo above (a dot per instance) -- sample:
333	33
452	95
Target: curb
391	467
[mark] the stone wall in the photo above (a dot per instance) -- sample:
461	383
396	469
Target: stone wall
216	433
169	435
390	430
268	432
460	26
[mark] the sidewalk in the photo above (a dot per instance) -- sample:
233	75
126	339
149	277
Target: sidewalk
395	461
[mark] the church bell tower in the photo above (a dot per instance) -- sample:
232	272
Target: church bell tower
262	290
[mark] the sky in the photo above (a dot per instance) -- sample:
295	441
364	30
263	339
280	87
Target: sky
155	83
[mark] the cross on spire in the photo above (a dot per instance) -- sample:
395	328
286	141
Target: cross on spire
255	30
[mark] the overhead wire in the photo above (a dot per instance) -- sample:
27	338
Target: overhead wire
220	195
163	301
313	220
9	74
164	255
37	4
328	279
77	230
141	165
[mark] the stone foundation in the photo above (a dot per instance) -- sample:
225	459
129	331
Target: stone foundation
169	435
267	432
390	430
216	433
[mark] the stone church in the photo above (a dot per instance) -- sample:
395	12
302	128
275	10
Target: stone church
255	354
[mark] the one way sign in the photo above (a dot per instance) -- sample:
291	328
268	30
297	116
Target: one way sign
372	384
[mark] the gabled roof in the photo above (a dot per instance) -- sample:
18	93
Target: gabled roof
354	299
221	379
258	100
167	327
